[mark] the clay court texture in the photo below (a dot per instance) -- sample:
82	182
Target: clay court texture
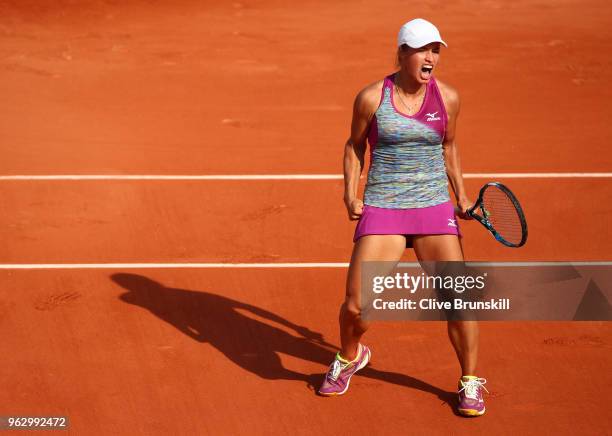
143	347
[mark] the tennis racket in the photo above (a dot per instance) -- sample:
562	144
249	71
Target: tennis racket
500	212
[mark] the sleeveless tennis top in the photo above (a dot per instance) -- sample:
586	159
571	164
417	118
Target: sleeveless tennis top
407	167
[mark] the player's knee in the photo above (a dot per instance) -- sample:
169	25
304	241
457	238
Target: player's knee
352	308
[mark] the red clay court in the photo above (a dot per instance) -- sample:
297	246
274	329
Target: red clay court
157	344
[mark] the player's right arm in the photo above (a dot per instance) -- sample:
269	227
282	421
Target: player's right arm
364	107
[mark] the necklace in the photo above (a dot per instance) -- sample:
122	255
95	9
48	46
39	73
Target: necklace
406	105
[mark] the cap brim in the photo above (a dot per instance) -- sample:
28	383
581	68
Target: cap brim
423	43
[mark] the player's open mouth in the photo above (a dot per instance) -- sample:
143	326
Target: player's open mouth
426	71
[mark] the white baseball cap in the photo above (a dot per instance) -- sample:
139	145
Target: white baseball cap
418	33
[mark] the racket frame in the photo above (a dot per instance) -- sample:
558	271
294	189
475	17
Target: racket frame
484	220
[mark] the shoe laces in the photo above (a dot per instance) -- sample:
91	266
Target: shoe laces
472	387
336	369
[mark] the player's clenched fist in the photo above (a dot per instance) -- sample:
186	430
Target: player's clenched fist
354	208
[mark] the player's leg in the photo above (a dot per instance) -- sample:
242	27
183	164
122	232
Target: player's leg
463	334
388	248
353	356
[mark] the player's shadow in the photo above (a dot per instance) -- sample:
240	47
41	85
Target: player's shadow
246	334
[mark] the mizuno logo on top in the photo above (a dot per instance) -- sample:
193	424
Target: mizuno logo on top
432	116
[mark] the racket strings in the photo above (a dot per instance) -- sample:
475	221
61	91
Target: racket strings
502	214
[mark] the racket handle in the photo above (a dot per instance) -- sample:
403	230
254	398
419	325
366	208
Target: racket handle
458	211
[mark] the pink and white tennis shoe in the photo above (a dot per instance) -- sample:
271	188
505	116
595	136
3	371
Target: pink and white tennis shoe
340	372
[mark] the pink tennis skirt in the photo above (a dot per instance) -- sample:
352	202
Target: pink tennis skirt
434	220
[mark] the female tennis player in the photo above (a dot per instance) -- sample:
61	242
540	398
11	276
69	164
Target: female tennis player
409	120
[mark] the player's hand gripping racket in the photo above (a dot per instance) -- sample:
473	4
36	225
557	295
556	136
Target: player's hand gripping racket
500	212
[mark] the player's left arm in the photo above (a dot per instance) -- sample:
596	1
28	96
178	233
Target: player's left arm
451	149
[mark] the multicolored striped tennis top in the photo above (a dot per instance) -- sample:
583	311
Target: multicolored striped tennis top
407	166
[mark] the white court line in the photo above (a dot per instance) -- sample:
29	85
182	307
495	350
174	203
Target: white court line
47	266
10	266
281	176
535	175
176	177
